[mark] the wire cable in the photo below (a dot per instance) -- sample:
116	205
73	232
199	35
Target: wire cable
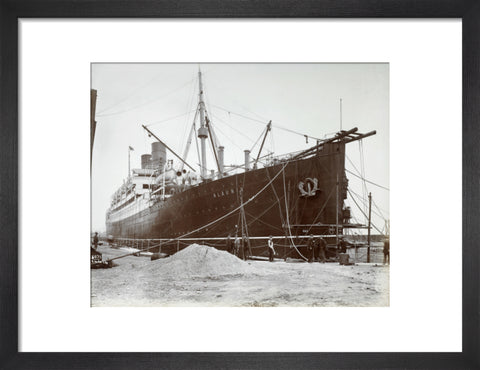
144	103
169	118
370	182
265	123
288	219
375	227
134	91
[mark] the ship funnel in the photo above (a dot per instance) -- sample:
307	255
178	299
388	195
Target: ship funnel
247	160
220	159
146	159
159	155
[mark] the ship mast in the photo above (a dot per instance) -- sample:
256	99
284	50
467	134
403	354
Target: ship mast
202	131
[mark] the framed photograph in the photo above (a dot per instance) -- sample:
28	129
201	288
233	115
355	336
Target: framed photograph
209	210
239	172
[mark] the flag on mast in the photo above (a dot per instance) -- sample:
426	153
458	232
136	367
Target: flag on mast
130	148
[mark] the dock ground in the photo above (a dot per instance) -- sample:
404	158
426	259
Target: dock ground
204	276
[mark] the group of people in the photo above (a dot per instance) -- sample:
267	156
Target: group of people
238	246
317	249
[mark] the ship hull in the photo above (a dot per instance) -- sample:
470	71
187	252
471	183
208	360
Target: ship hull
288	198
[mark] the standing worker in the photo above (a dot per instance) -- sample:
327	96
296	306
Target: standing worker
316	245
229	245
386	251
310	248
95	240
343	245
245	248
322	244
271	250
236	245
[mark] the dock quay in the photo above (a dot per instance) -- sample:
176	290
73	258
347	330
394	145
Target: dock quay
256	247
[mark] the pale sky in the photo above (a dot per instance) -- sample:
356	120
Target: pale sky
304	98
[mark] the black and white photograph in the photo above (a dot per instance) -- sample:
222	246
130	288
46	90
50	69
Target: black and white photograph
240	185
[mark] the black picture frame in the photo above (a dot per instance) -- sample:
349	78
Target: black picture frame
11	11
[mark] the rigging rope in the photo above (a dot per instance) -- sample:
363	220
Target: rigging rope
370	182
379	210
365	204
362	169
376	228
187	119
229	138
323	207
288	219
254	219
145	103
258	139
182	142
233	128
278	200
265	123
170	118
130	95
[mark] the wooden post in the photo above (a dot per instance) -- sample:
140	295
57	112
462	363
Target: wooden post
336	217
369	222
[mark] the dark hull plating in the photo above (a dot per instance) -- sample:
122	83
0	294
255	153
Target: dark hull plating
266	214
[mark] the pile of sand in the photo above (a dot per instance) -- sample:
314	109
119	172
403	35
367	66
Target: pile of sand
200	261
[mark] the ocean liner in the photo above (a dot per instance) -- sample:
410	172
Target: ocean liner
288	197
